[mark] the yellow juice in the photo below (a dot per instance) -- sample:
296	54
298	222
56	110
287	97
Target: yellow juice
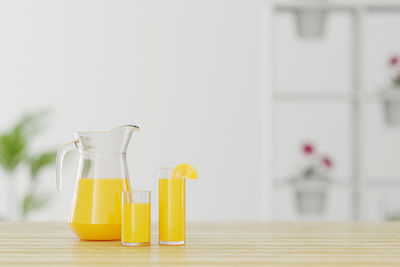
96	209
172	209
136	223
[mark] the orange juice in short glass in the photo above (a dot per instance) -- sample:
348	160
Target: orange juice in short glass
136	222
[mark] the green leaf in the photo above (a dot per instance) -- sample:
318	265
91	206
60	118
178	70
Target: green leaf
14	142
309	172
396	81
37	163
33	202
13	147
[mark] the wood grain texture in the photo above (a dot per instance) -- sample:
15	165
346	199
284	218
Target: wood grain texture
210	244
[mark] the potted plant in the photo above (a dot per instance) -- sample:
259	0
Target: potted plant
310	18
312	181
391	93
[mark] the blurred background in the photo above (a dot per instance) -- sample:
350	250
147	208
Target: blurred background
289	110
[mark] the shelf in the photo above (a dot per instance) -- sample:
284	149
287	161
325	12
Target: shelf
287	183
334	97
388	8
334	6
363	183
329	97
299	5
354	97
381	182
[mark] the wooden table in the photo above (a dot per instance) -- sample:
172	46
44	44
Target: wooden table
211	244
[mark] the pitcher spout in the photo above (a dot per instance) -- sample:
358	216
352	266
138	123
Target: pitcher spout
125	129
124	134
113	141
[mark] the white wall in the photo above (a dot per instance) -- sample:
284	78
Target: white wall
189	73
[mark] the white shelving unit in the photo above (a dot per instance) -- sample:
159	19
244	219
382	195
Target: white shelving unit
357	12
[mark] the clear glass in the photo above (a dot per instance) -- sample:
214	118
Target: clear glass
136	222
95	212
172	217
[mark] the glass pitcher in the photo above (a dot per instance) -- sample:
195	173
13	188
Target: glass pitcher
95	213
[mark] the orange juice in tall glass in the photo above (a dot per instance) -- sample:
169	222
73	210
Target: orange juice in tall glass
172	211
172	217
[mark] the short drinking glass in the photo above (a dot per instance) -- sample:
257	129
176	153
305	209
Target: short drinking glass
135	218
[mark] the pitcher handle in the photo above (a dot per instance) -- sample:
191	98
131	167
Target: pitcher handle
59	162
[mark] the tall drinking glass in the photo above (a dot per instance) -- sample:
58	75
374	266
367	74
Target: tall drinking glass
172	218
136	218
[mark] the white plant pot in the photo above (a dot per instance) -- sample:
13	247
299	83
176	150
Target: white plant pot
310	21
310	196
391	106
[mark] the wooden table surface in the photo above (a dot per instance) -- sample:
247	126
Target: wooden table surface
211	244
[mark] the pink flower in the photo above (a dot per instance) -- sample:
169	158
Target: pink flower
327	162
308	149
393	61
